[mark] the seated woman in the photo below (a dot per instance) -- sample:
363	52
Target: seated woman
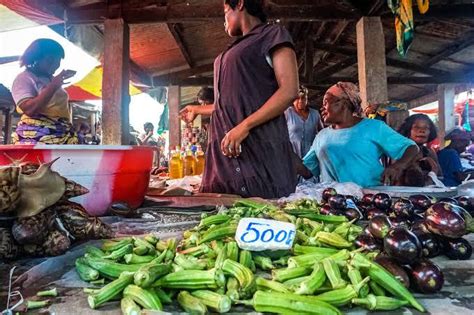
450	158
422	130
349	150
40	98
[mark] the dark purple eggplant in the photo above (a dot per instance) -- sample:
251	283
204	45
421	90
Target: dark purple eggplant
353	214
396	270
443	219
382	201
416	217
466	203
400	222
379	226
337	202
327	210
426	277
372	212
402	245
402	208
458	249
367	242
419	227
430	245
328	192
367	200
421	202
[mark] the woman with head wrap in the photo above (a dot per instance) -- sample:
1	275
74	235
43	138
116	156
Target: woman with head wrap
349	150
450	159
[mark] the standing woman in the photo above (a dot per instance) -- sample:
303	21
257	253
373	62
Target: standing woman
40	98
303	123
255	80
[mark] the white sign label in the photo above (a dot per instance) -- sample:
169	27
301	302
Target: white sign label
261	234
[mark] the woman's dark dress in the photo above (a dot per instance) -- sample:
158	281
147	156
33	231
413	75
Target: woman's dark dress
243	82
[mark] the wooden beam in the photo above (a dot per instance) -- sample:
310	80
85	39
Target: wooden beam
174	29
309	59
466	41
392	62
371	61
183	13
8	59
445	110
397	81
174	98
452	11
329	71
170	78
115	83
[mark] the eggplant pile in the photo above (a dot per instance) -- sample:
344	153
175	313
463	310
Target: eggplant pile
438	224
409	231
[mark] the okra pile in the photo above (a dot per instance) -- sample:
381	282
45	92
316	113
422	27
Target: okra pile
207	272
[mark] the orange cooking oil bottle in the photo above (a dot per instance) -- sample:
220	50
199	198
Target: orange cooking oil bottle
175	165
189	163
200	161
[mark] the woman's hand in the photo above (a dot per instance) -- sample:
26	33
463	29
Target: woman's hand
392	174
188	114
231	144
58	80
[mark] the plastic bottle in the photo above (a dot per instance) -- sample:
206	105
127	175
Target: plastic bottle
189	164
200	161
174	165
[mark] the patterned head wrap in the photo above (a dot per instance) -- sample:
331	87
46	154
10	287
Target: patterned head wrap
350	92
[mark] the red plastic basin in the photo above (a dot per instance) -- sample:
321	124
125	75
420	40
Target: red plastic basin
111	173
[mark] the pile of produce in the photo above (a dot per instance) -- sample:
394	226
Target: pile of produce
409	231
207	271
46	221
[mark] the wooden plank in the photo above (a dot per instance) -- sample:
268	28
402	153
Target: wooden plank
371	61
169	78
115	83
174	29
309	59
183	13
392	62
446	111
174	97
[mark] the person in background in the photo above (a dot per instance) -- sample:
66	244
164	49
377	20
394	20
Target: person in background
450	159
256	79
205	97
349	150
303	123
40	98
84	129
421	129
147	137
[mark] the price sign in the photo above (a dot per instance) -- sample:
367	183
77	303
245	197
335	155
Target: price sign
261	234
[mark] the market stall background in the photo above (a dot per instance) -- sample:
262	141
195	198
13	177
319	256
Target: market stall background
174	43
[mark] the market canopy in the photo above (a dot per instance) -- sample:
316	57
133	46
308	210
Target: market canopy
90	87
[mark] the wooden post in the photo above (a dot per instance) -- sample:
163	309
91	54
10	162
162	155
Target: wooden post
445	110
371	61
174	97
115	83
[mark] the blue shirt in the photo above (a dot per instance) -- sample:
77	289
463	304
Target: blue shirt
302	131
450	162
353	154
